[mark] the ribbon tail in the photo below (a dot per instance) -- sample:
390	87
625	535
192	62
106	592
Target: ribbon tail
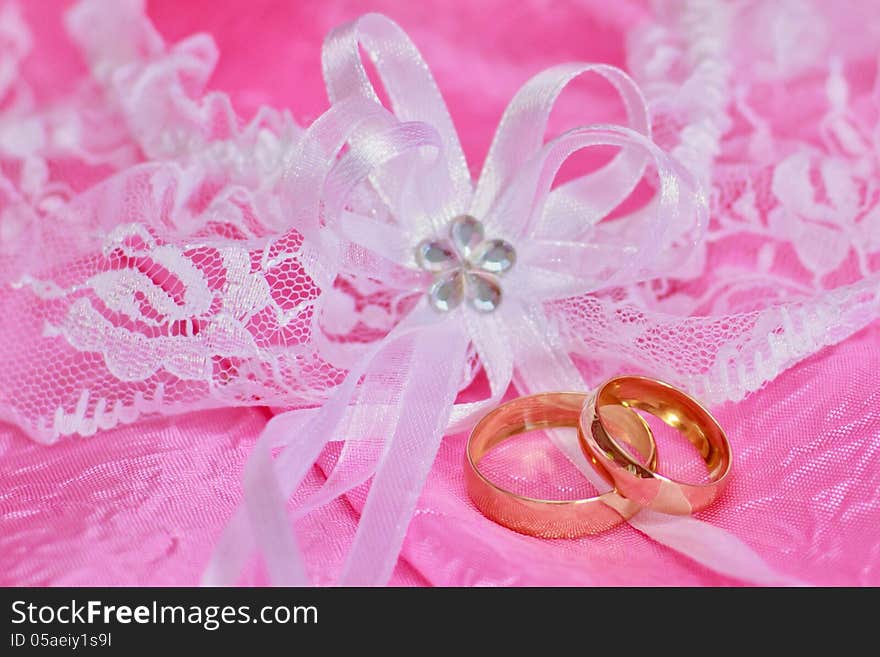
262	522
542	365
237	542
262	476
427	399
265	502
231	552
713	547
270	483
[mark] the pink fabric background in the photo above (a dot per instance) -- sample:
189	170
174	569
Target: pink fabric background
144	504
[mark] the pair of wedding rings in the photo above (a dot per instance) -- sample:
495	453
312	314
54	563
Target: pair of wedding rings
605	421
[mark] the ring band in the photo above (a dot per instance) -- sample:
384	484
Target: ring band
550	518
637	482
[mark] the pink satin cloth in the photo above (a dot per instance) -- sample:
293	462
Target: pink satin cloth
145	504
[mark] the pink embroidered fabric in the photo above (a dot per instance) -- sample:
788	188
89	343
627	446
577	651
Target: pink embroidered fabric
164	293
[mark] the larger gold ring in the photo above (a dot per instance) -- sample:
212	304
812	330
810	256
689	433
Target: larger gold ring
550	518
641	483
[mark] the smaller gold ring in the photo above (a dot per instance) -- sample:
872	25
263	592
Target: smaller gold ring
550	518
643	484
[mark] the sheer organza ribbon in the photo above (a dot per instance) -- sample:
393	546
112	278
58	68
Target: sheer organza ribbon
398	399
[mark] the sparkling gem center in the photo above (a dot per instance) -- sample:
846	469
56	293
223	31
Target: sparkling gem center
467	266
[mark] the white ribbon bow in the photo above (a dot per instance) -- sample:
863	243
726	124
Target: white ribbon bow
398	399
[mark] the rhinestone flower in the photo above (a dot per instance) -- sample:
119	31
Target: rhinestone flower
465	266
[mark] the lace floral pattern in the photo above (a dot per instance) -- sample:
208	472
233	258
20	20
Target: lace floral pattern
789	262
166	275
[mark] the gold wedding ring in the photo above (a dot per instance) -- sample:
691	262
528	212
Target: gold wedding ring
606	421
601	442
550	518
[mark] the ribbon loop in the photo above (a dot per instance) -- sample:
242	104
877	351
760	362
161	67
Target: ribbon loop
638	241
411	88
305	171
521	134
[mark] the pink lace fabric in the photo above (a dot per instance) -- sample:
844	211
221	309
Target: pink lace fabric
150	272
